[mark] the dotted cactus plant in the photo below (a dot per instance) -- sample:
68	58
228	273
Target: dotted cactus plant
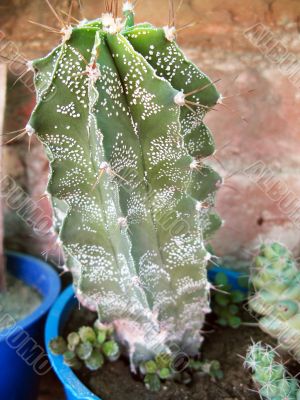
272	379
120	112
276	279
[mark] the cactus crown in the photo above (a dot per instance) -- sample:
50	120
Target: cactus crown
120	112
276	280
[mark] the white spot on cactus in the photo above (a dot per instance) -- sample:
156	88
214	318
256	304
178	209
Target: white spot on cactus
29	65
93	72
112	25
220	99
170	33
104	166
107	19
128	7
179	99
122	222
199	206
66	33
194	165
29	130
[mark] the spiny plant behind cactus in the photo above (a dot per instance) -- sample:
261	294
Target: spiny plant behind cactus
120	112
276	280
271	377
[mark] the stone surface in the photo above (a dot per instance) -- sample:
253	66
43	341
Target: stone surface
251	126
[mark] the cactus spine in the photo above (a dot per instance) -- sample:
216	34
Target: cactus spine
131	196
271	377
276	279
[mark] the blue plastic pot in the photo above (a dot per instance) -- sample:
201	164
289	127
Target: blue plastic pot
233	277
22	356
57	318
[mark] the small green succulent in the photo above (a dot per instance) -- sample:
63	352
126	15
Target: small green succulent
227	301
88	346
155	371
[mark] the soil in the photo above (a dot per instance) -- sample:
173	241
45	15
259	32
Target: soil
227	345
18	301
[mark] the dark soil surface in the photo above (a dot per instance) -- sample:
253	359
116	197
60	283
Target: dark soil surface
114	381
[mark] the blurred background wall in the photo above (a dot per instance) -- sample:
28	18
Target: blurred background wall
253	47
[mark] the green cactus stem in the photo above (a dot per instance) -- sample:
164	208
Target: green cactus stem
131	194
276	280
271	378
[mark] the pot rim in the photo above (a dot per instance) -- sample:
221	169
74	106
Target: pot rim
54	324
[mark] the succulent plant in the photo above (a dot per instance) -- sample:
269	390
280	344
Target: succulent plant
226	301
120	112
271	377
161	369
276	280
84	348
92	347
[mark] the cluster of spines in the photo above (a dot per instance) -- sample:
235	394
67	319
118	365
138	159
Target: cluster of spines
271	378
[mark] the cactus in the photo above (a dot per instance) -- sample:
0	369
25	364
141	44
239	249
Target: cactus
276	280
131	195
271	377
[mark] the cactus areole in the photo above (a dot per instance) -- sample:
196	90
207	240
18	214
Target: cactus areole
120	113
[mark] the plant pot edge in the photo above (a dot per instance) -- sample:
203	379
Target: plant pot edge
14	340
48	299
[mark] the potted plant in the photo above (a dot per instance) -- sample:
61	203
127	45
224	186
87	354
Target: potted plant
120	112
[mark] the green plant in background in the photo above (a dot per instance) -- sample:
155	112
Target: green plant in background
276	280
271	377
226	302
120	112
